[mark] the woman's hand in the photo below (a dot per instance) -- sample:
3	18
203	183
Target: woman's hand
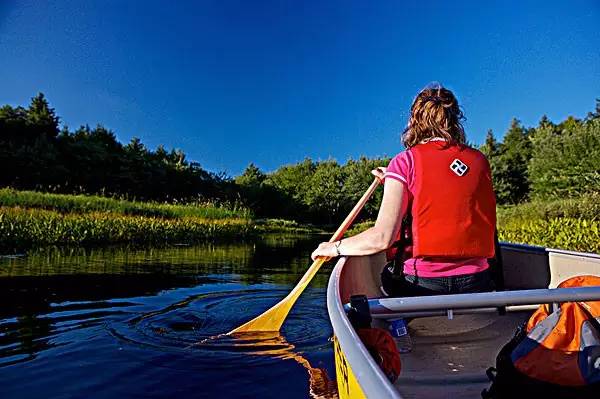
379	172
325	250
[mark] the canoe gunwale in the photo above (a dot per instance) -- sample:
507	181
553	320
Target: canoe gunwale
543	250
372	380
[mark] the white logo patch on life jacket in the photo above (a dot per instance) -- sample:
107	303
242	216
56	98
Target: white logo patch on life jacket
459	167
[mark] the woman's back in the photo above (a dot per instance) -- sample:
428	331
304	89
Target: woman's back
452	207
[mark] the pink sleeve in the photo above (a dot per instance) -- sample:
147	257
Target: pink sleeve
400	168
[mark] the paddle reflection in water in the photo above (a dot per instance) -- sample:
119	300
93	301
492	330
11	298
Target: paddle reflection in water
274	345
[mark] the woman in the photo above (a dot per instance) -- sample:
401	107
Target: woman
446	186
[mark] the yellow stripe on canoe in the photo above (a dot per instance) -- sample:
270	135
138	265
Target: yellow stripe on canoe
346	381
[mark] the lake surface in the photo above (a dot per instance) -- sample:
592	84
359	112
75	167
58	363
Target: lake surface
141	323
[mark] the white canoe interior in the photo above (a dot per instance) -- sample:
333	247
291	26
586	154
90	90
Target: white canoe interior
450	356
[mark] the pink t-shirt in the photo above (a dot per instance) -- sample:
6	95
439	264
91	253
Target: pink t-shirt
401	168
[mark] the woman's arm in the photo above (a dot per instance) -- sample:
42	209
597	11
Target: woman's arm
378	237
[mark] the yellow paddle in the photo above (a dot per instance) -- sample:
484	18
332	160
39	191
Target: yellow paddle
272	319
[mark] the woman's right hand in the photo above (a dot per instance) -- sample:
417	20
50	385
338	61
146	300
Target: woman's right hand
379	172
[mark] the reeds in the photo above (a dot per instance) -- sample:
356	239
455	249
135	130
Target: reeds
572	223
91	203
562	233
32	219
25	228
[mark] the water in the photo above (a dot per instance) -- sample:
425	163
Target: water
130	323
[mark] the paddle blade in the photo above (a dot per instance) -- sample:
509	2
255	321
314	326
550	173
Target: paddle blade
272	319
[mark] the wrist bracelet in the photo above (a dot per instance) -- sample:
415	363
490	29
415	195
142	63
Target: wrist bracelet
337	247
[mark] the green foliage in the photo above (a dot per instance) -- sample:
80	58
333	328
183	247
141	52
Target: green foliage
324	193
34	155
508	161
42	118
565	233
291	182
26	228
586	207
357	177
566	159
571	223
490	147
319	192
359	228
550	161
257	195
86	204
283	226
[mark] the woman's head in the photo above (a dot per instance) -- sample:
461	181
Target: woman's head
434	113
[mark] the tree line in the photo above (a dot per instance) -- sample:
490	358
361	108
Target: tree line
36	154
549	160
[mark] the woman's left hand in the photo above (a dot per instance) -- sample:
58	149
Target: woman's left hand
325	250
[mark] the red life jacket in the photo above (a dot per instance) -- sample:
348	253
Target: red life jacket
454	207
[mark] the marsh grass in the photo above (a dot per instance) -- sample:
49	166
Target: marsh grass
30	219
562	233
25	228
585	207
63	203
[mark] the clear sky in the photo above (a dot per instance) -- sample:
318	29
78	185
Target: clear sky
272	82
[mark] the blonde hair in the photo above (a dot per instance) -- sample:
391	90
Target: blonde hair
434	113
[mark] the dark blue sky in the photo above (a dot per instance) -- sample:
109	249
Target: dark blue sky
233	82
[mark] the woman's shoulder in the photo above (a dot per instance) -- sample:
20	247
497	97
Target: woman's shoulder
400	167
478	154
402	157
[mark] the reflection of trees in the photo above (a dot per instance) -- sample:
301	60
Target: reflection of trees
31	299
284	264
280	259
23	339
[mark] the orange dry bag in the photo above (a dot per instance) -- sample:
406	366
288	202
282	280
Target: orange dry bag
555	355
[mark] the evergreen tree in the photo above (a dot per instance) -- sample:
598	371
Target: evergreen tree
511	180
252	188
545	122
490	147
596	113
42	119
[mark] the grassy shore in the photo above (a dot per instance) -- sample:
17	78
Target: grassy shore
572	224
31	219
93	203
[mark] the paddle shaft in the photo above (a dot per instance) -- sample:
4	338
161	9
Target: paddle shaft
272	319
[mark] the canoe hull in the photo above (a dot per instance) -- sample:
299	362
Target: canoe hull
454	352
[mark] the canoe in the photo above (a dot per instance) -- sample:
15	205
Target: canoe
455	337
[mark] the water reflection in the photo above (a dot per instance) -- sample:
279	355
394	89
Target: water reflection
273	344
126	310
274	258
